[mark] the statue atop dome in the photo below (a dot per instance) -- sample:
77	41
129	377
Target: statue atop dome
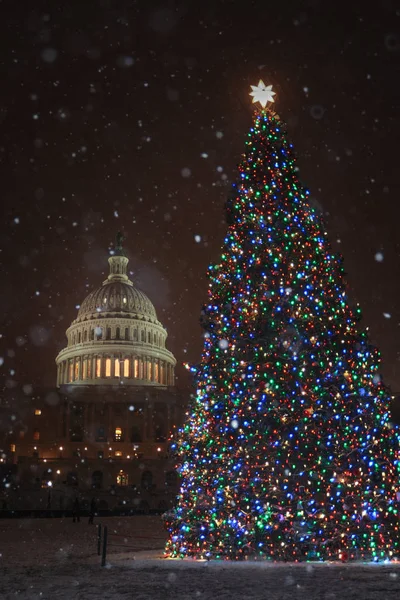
119	240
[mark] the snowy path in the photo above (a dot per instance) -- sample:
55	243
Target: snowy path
33	567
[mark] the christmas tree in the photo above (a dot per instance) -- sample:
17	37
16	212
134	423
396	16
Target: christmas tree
288	452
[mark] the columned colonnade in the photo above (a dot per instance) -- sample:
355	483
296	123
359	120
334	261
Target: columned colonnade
94	367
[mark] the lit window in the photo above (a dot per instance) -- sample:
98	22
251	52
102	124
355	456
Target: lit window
98	367
156	371
76	370
136	367
149	370
124	300
36	435
108	367
118	453
38	412
12	447
126	367
117	367
122	478
118	434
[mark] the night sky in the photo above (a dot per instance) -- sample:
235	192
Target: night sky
133	115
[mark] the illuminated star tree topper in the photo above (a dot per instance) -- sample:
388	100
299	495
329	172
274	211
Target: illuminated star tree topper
262	93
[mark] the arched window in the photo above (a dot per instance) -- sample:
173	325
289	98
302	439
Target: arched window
108	333
160	435
122	478
126	367
79	337
147	480
136	435
117	368
118	437
97	480
117	333
108	367
92	334
85	336
143	336
135	335
101	434
162	373
127	333
149	337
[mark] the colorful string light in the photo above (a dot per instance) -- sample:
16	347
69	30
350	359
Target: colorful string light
288	452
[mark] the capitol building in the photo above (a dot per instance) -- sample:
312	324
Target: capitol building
106	424
116	336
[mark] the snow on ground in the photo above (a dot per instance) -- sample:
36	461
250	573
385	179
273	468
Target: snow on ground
55	559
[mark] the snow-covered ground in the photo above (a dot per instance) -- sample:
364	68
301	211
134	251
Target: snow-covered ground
55	559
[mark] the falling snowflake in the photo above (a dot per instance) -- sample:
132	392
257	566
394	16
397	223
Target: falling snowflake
49	55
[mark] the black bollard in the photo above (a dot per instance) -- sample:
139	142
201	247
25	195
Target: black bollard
103	557
99	539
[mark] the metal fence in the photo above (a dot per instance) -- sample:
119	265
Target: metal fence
107	539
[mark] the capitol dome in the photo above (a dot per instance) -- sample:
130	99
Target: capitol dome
117	297
116	336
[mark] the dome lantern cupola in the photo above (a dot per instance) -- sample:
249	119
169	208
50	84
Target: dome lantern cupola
118	262
116	337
